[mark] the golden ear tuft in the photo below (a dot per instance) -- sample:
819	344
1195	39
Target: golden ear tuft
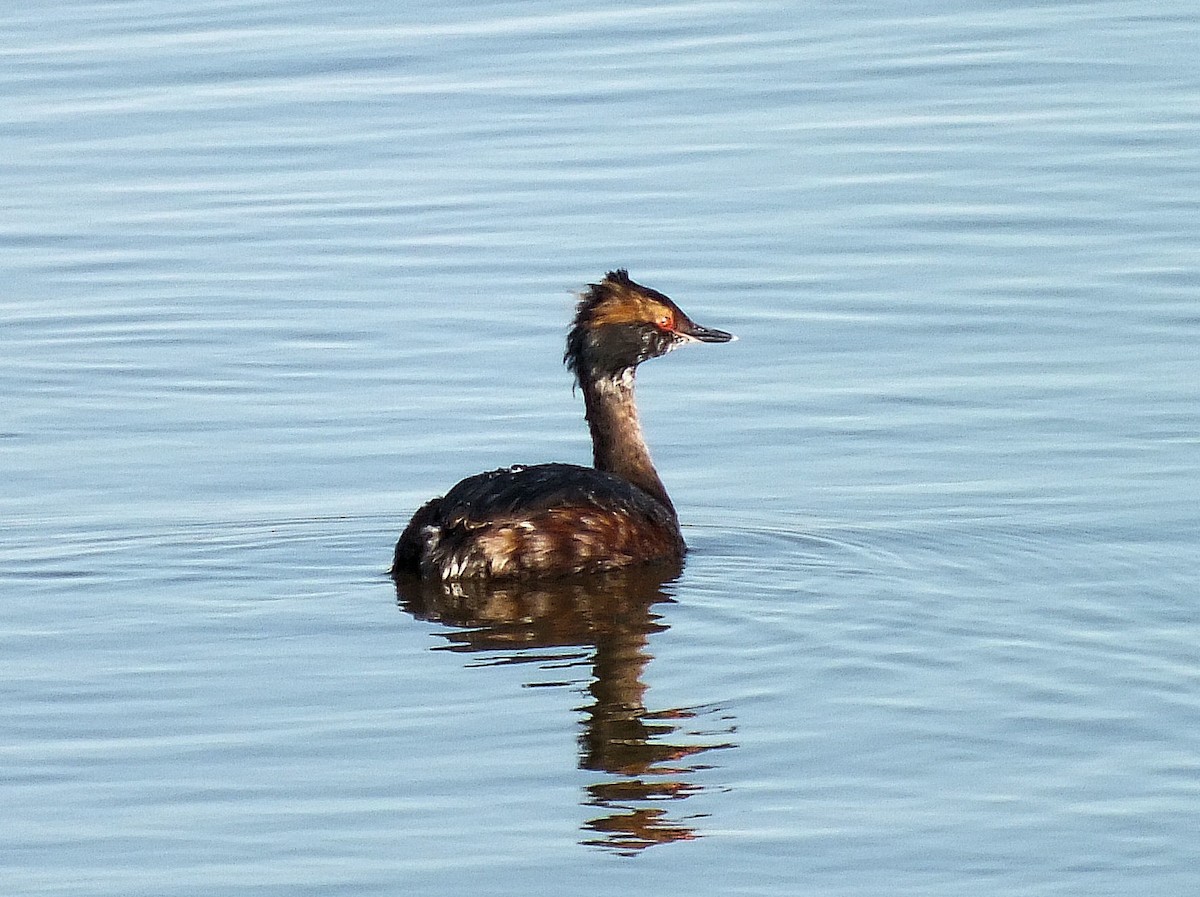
618	300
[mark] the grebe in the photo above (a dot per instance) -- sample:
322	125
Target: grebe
558	519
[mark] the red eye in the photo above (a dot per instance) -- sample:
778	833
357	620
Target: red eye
666	321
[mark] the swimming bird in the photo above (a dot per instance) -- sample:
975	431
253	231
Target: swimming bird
559	519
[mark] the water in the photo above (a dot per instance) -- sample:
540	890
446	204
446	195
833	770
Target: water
276	273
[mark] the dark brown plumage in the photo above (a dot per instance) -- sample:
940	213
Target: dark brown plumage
556	519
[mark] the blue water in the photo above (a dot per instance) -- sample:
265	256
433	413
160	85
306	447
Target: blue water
274	274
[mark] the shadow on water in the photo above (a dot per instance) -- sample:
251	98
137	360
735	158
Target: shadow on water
647	755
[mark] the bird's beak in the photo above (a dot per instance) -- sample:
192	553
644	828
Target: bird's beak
694	331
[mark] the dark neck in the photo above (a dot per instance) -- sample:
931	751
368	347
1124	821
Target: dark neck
617	442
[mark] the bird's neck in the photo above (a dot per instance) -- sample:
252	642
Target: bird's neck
618	445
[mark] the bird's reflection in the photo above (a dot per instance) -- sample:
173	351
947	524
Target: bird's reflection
645	755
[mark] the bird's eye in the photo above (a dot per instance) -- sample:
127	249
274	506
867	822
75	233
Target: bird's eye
666	321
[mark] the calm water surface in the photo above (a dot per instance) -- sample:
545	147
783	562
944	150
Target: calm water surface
276	273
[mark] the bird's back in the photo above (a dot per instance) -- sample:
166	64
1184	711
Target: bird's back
547	519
